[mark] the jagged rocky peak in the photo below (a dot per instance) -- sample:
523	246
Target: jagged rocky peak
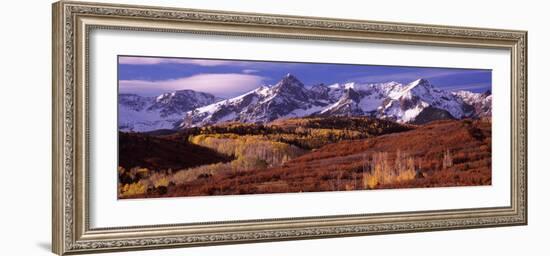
139	113
420	85
184	94
291	86
289	80
486	93
421	82
180	101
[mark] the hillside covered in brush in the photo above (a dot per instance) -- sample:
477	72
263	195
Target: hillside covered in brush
448	153
315	154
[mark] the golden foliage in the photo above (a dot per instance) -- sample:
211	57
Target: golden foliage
250	151
133	189
159	180
382	172
192	173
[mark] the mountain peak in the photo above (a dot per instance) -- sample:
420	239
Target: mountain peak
421	85
290	86
290	79
421	82
167	96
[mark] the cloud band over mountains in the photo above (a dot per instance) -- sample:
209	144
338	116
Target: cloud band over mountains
222	85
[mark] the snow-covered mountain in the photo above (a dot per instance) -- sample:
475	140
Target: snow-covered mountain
288	98
481	102
406	104
138	113
392	100
416	102
360	99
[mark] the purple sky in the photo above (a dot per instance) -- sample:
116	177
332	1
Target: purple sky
152	76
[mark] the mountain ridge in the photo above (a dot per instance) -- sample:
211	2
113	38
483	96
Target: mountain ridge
290	98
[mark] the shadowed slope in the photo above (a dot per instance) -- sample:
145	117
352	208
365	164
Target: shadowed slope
139	150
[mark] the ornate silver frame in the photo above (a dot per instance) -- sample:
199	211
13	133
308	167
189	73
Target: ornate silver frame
72	22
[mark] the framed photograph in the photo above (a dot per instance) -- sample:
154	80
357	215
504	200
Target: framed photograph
179	127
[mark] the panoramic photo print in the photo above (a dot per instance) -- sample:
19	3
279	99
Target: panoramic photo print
206	127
